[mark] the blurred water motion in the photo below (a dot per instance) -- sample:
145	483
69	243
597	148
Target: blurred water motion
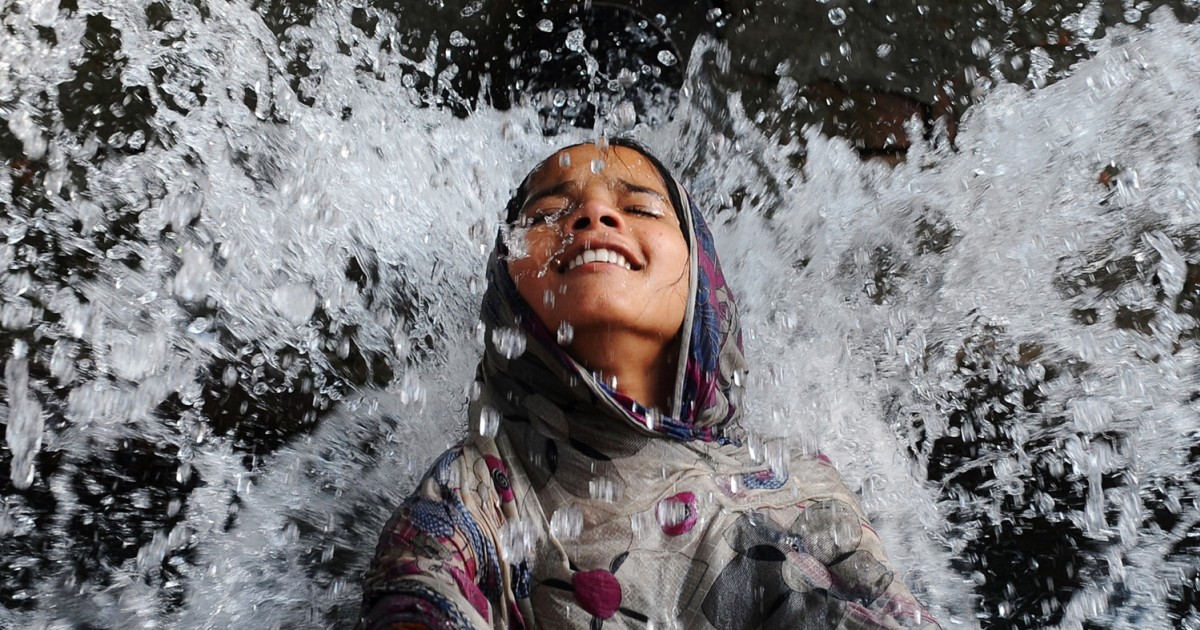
243	246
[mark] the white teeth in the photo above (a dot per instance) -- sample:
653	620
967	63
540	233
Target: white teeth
599	255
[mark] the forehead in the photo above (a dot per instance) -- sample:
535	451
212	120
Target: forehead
619	163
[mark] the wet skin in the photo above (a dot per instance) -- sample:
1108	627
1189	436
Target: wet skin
626	315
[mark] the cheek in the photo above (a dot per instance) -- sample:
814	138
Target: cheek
674	252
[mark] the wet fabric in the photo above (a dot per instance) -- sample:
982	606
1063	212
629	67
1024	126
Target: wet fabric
585	509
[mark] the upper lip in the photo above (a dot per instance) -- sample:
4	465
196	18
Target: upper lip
586	244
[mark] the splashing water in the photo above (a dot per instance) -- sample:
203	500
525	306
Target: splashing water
234	318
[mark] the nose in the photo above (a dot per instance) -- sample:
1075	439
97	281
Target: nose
595	213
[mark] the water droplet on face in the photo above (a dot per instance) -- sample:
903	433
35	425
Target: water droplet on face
566	332
564	160
837	16
548	298
597	166
489	421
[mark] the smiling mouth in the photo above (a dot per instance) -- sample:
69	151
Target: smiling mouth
598	255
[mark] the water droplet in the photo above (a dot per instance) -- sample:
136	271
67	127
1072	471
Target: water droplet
672	512
545	26
575	40
510	342
625	115
603	489
652	417
230	377
566	333
518	539
754	446
489	421
597	166
566	523
43	12
25	419
564	160
411	389
845	49
296	302
458	40
195	277
883	51
472	8
775	452
837	16
981	47
666	58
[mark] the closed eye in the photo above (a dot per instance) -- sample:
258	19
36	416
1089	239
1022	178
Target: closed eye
549	214
645	211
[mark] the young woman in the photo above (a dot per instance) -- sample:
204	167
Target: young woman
605	483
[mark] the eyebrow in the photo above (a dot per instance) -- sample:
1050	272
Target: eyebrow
565	188
630	187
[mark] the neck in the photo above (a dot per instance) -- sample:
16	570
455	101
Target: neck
644	368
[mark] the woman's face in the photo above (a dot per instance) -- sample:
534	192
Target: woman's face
604	249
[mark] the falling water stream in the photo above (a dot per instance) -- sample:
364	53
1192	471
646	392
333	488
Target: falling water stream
238	315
